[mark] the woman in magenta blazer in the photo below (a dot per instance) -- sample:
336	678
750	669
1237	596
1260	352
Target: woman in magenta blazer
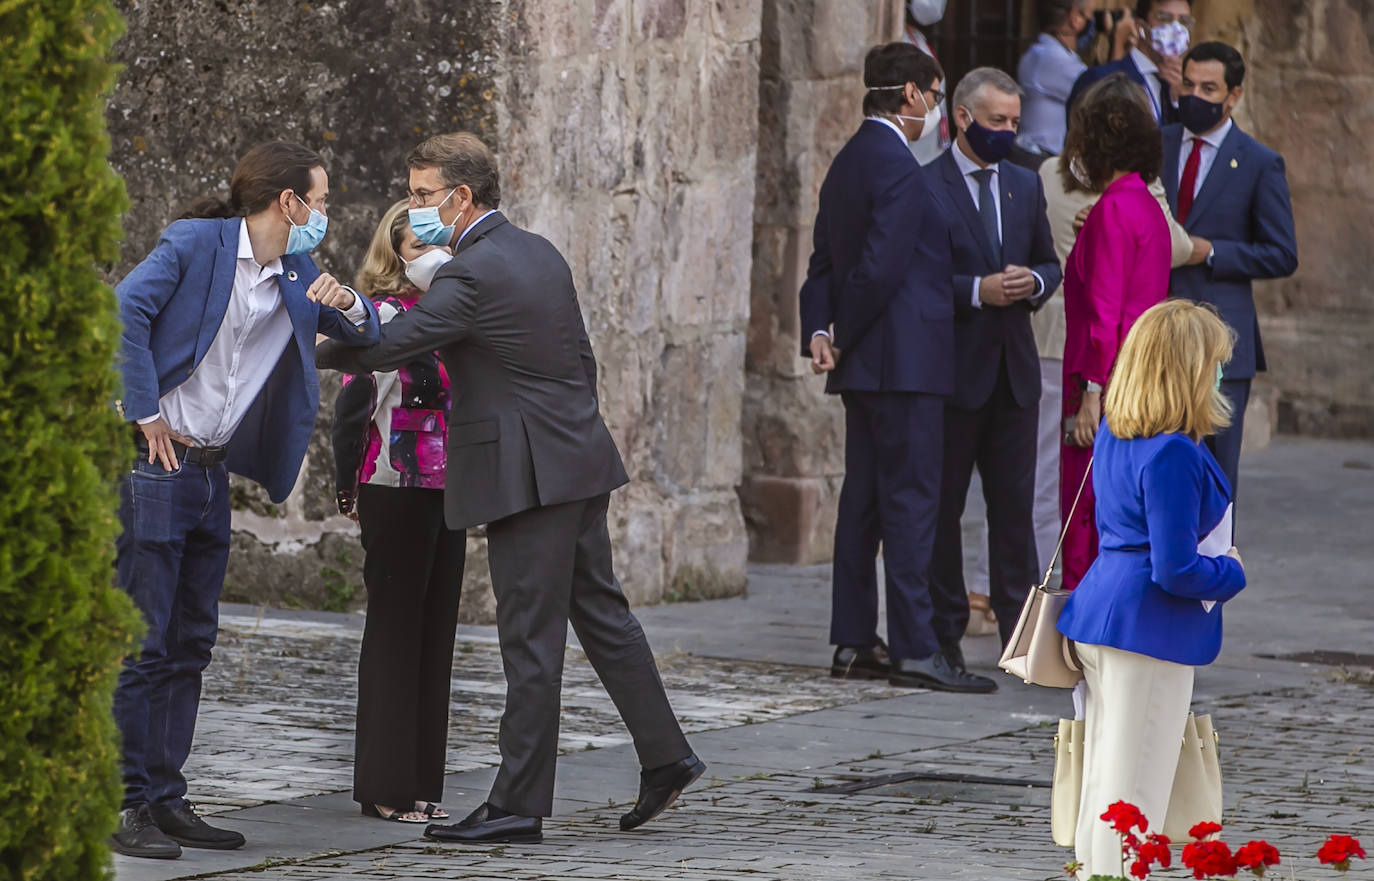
1118	268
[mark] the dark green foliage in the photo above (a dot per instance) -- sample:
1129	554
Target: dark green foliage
63	624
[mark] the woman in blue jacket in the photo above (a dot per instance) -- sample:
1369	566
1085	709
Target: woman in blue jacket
1149	609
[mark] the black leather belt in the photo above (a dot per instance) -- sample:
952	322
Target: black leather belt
205	457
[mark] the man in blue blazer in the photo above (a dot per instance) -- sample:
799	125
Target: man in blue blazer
1005	267
1158	36
1231	194
219	375
877	314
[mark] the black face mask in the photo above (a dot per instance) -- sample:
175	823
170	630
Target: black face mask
1199	115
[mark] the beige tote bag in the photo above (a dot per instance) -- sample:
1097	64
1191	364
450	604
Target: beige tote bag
1196	795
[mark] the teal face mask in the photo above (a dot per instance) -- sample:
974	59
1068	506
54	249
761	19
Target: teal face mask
427	225
306	237
1219	375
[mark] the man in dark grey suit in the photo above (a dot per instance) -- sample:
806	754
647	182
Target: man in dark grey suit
529	455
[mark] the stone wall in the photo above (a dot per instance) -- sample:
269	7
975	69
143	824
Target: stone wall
810	88
626	133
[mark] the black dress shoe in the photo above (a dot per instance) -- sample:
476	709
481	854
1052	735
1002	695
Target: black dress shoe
138	836
954	653
659	788
488	825
183	825
852	662
935	672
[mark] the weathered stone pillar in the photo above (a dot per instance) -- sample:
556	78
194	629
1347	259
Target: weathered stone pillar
810	89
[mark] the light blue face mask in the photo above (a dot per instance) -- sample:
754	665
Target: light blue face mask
427	225
1219	375
306	237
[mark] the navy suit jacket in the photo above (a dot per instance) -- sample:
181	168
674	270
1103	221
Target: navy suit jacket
172	305
880	271
1243	209
1126	65
1156	499
983	335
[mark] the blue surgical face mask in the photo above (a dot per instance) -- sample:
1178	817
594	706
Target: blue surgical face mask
989	145
306	237
427	225
1220	373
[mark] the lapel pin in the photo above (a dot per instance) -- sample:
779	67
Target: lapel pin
291	274
1235	164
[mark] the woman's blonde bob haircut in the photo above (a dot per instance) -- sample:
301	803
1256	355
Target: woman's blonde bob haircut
1165	379
383	272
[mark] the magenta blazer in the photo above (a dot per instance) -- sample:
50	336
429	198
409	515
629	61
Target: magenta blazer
1119	267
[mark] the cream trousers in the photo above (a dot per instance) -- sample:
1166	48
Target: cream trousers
1136	710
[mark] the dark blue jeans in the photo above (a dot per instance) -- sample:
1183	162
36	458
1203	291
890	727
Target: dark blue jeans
171	560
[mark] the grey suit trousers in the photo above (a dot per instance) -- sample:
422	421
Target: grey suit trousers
551	565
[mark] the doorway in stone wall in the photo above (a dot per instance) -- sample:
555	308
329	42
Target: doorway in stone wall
977	33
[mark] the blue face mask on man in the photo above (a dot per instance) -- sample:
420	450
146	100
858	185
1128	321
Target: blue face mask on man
989	145
429	227
306	237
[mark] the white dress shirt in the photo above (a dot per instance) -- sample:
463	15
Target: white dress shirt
208	407
967	167
1211	143
1148	69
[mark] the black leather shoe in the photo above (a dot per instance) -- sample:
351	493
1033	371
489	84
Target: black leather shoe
935	672
138	836
659	788
183	825
851	662
954	653
481	827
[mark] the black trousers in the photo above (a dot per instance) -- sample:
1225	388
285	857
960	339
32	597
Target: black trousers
890	497
1000	439
549	566
414	576
1225	445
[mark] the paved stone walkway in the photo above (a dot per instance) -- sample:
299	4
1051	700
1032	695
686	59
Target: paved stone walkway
811	779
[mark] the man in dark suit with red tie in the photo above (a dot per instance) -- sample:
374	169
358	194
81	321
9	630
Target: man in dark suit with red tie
1005	267
1231	194
877	314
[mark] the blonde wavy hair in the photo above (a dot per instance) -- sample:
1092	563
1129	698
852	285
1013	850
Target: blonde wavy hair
1165	379
383	272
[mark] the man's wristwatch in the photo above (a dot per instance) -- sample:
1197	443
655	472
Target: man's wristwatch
1092	387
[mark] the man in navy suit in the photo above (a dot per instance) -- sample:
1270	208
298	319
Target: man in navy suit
1159	34
877	314
1230	193
1004	268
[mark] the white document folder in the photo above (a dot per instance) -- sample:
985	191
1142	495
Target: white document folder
1217	542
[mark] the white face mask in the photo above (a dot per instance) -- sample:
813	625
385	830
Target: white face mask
930	122
421	270
926	12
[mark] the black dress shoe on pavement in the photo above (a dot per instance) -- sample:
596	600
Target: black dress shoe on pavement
183	825
138	836
488	825
659	788
935	672
851	662
955	655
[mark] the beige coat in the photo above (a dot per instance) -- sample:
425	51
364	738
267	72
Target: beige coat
1062	207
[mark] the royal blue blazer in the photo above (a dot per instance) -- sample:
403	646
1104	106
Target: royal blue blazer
172	305
1157	497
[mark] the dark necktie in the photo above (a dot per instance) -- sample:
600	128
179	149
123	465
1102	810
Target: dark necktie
1188	183
987	210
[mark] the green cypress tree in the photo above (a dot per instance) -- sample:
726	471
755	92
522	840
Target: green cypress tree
63	623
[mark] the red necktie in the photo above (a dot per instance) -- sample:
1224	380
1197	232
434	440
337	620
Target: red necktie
1189	181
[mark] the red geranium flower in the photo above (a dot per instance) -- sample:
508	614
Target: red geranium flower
1140	869
1156	850
1203	830
1209	859
1125	816
1257	856
1339	850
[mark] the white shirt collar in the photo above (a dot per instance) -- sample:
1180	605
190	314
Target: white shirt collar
1143	62
471	227
966	165
246	251
892	125
1214	138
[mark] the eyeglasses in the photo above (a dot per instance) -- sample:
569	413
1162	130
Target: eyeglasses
1169	18
938	95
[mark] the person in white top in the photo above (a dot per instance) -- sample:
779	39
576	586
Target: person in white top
218	367
922	14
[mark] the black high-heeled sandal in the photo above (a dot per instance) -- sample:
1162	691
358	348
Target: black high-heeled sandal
395	816
433	811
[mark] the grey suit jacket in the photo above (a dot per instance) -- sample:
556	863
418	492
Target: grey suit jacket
525	430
